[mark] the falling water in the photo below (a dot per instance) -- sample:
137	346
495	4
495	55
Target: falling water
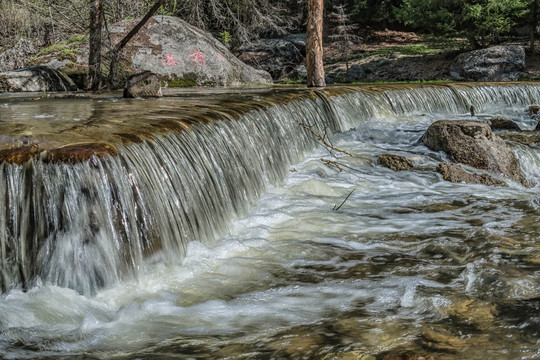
89	231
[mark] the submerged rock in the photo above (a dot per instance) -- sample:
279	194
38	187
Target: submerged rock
143	85
473	143
472	312
395	162
523	137
441	340
36	79
502	123
455	173
497	63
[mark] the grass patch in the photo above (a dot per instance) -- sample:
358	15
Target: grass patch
407	50
65	49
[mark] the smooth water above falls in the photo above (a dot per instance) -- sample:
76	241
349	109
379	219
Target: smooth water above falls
223	241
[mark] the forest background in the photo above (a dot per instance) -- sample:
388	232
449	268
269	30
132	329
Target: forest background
438	24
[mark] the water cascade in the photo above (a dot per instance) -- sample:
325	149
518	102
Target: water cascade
87	225
176	176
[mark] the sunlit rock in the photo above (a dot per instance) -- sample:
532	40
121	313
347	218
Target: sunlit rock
473	143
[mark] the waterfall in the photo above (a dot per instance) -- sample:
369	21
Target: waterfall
90	224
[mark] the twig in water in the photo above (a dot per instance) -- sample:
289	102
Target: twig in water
323	140
347	198
332	163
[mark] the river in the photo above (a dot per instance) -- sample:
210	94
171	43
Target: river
258	242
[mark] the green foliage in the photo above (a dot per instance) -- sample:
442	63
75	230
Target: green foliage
288	81
407	50
480	21
226	38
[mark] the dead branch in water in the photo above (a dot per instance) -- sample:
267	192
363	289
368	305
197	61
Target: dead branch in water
332	163
323	139
347	198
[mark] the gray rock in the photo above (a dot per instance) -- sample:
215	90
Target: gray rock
36	79
473	143
15	57
497	63
143	85
299	40
299	72
279	57
456	174
355	72
171	48
179	53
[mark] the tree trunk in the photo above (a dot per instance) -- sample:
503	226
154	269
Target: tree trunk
533	24
93	81
314	44
115	52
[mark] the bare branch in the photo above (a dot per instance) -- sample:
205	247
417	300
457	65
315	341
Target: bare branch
347	198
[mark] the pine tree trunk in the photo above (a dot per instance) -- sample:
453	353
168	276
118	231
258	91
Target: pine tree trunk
93	81
314	44
533	25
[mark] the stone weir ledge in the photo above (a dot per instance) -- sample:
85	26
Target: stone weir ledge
74	127
77	127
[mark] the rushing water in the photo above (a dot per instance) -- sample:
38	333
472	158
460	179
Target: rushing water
238	240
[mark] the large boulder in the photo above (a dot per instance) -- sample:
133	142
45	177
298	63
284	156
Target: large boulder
497	63
179	53
474	144
15	57
36	78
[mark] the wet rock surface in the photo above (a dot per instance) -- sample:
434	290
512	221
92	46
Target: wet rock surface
456	174
473	143
395	162
503	123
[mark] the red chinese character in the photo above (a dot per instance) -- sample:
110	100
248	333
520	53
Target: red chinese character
169	60
217	56
197	56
